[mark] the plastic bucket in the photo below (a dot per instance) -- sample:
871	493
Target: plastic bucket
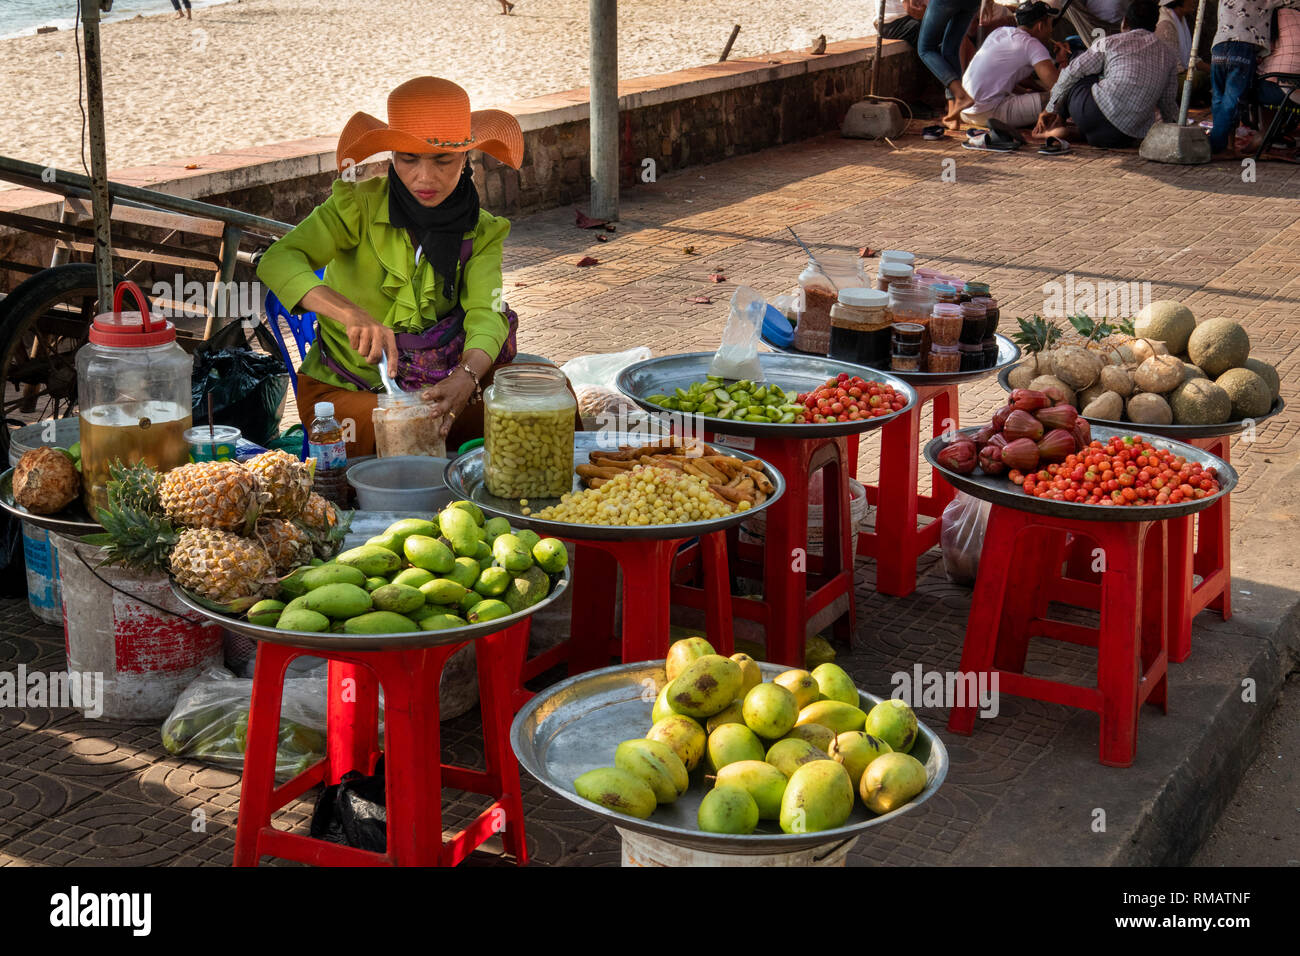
130	628
642	850
402	483
44	592
754	530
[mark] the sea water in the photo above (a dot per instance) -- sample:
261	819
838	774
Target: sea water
22	17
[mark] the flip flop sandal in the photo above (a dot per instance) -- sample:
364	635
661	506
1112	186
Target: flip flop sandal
973	131
1008	131
932	133
991	142
1054	147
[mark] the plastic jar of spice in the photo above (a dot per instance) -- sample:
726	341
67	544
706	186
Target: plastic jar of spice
943	358
896	256
817	293
991	313
972	356
973	319
945	323
913	303
860	330
528	415
891	273
974	290
945	292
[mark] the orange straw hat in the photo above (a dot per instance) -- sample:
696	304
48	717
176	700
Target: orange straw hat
431	115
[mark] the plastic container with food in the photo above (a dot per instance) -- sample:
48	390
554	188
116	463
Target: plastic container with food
405	425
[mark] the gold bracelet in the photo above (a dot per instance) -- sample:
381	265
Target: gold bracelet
478	389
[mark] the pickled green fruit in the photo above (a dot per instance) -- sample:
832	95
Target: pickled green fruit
492	582
528	538
818	797
293	585
817	735
836	684
510	553
333	574
856	750
465	572
527	589
461	530
788	755
429	554
301	619
265	613
413	577
727	810
890	781
731	743
801	684
683	652
551	555
399	598
441	622
649	767
706	687
616	789
893	722
374	584
731	714
338	600
371	560
488	610
770	711
380	622
833	715
473	510
763	782
751	674
495	527
442	591
684	735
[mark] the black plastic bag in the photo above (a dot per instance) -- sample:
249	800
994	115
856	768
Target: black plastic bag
354	812
248	387
13	563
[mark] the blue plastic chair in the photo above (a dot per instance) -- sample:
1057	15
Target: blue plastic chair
302	327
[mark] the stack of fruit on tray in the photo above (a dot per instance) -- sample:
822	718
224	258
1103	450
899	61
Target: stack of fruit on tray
1034	428
47	480
1163	369
225	531
741	401
455	569
729	479
848	398
797	749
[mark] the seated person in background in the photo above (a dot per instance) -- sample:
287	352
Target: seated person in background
1242	37
991	16
1008	56
1092	19
1175	32
1284	58
1111	91
902	20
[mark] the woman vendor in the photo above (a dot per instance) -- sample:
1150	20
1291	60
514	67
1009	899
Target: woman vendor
412	266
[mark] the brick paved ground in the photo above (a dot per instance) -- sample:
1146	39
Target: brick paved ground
74	791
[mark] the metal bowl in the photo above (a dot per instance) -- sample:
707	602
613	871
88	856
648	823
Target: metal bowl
1008	354
465	480
1000	491
793	372
575	726
72	520
1180	432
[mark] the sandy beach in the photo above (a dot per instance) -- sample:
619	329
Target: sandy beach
254	72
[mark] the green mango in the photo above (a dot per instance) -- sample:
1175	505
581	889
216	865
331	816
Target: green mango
818	797
488	610
495	527
371	560
442	591
770	711
413	577
468	602
893	722
551	555
483	554
317	562
751	674
265	613
301	619
429	554
616	789
473	510
338	601
461	530
890	781
529	539
683	652
380	622
328	574
856	750
731	743
395	535
801	684
727	810
658	768
686	738
788	755
293	585
835	684
662	708
833	715
297	604
398	598
374	584
509	552
492	582
731	714
527	589
817	735
464	572
440	622
763	782
706	687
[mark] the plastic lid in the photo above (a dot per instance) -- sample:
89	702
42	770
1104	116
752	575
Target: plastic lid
324	409
898	269
973	287
897	255
943	288
864	298
126	330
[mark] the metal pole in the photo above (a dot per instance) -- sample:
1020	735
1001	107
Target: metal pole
1191	65
604	108
875	61
726	50
98	159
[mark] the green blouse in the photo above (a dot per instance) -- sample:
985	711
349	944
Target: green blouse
372	263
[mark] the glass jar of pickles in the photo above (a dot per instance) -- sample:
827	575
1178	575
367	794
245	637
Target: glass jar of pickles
860	327
945	323
528	423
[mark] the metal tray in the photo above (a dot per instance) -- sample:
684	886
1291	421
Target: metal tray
1000	491
1008	354
1180	432
464	477
367	524
794	373
72	520
575	726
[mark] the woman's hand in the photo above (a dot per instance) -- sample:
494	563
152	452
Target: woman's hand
450	396
371	339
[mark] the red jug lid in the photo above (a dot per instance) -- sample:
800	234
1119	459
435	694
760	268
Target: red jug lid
118	329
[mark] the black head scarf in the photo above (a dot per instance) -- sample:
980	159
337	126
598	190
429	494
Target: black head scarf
437	230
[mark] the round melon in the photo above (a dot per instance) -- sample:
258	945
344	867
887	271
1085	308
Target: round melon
1248	392
1268	373
1218	345
1166	321
1198	401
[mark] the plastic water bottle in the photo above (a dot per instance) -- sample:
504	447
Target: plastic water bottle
325	444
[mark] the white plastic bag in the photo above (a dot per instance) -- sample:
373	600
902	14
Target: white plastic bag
600	371
737	356
962	537
600	403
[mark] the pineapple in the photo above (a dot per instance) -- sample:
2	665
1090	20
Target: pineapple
133	487
222	495
287	544
286	479
324	525
222	567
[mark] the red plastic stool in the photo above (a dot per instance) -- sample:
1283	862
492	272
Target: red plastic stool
415	774
1211	559
783	561
898	542
1020	572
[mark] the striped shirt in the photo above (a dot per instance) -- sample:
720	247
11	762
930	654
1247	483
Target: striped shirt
1138	76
